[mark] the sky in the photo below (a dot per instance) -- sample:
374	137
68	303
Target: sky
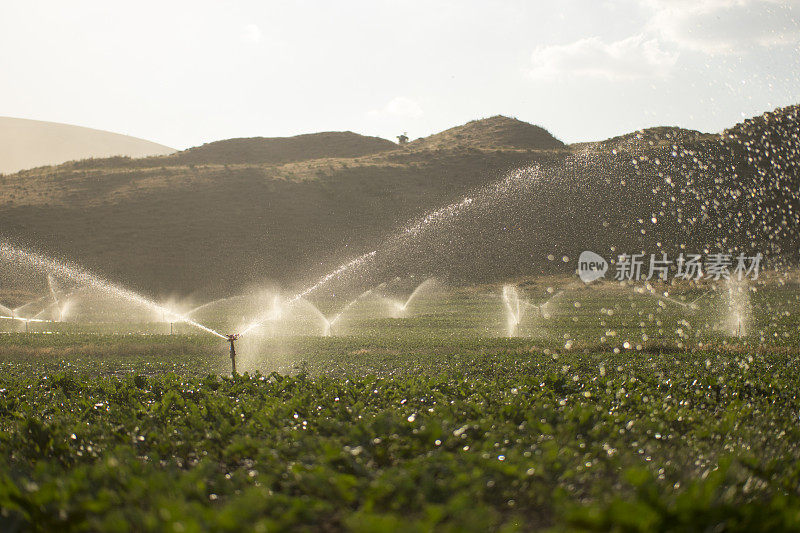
185	73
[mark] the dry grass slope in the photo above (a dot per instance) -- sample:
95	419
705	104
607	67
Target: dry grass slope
496	132
280	150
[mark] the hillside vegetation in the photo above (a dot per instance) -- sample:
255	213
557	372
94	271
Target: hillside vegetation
280	150
496	132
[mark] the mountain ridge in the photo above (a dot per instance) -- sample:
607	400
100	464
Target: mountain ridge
163	224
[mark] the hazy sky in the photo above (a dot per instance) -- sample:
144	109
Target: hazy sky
184	73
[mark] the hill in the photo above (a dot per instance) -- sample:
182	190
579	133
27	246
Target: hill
496	132
280	150
33	143
227	215
650	138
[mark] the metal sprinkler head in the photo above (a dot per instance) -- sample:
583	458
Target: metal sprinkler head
232	339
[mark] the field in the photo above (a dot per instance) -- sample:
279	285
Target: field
649	417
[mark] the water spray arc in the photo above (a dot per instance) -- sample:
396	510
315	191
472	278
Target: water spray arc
516	307
24	320
304	307
326	324
81	276
651	291
350	304
195	310
401	238
31	303
263	319
736	308
400	307
14	314
513	309
511	183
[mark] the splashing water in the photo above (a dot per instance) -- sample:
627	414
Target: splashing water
436	216
511	299
22	308
51	287
297	310
347	307
665	297
323	320
84	277
517	307
193	311
400	307
361	261
736	310
14	314
355	263
415	229
549	306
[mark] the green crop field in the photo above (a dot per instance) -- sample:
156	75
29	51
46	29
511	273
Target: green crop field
622	412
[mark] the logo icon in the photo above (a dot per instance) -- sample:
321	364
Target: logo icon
591	266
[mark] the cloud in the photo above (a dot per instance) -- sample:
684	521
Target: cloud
252	34
635	57
724	26
709	26
399	106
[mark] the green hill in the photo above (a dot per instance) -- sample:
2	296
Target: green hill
280	150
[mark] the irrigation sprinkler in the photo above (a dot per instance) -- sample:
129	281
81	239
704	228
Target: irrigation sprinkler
232	339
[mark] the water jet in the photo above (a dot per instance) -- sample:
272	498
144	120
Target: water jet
399	308
737	308
85	278
516	306
511	300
